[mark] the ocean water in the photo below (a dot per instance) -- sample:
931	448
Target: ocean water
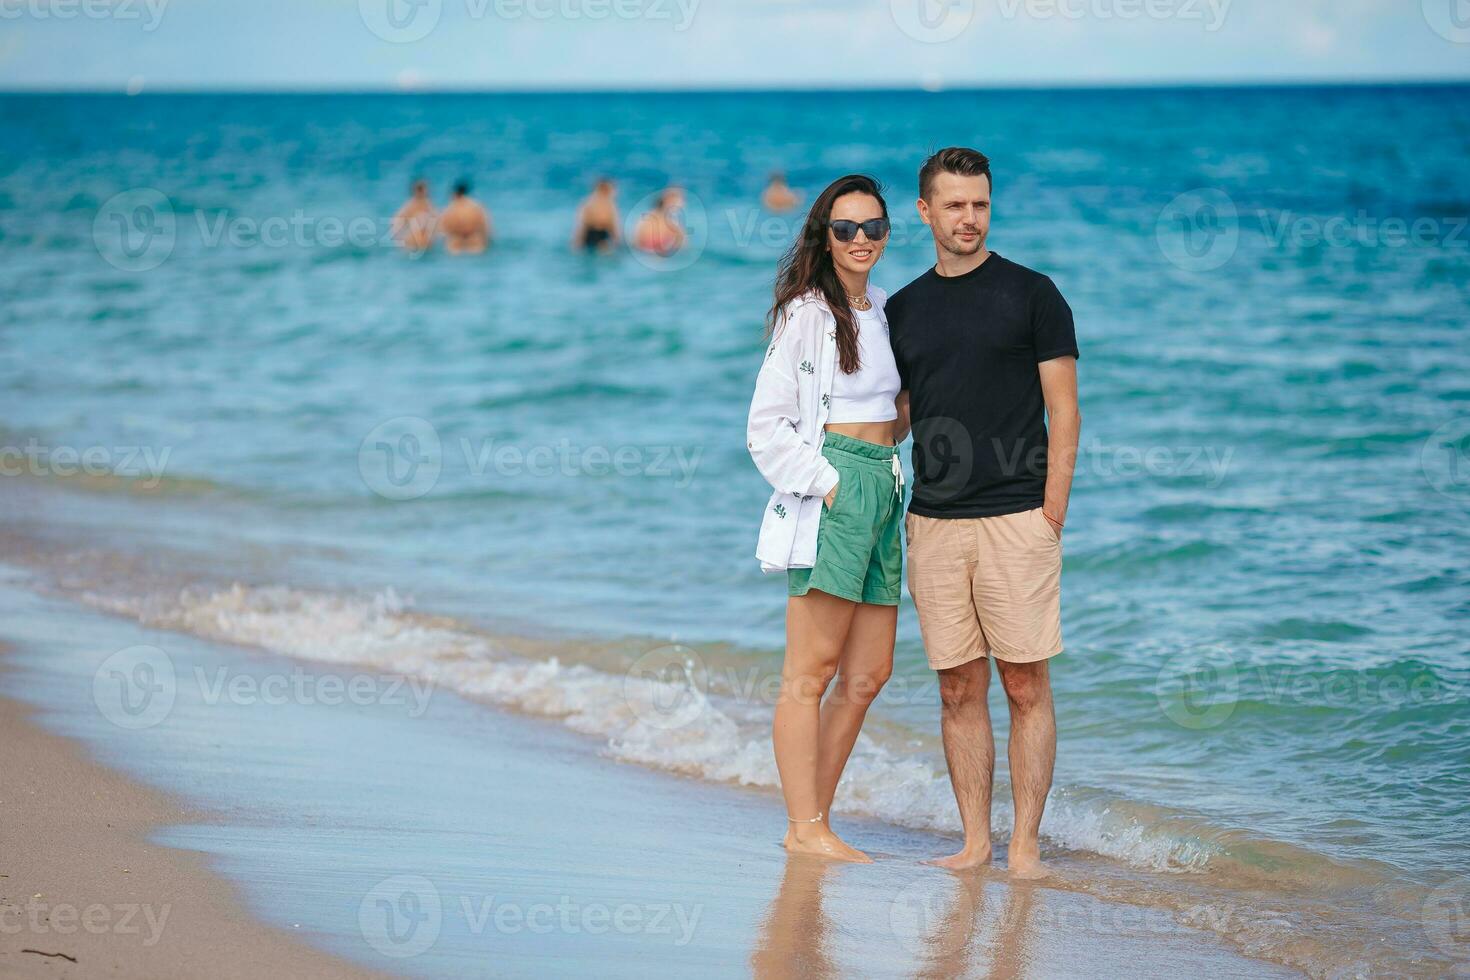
523	475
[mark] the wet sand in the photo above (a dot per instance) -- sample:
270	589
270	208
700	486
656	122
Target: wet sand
84	894
430	835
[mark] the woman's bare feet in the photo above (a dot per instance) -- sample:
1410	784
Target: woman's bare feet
818	841
966	860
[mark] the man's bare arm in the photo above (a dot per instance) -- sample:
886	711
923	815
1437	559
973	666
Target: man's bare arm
1064	428
904	424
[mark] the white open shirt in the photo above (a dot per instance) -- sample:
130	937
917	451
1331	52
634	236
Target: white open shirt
784	432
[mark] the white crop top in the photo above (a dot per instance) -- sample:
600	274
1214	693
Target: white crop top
868	394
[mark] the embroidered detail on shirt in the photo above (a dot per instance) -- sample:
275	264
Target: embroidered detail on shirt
806	368
826	401
780	510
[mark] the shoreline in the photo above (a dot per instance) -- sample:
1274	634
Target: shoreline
84	892
523	842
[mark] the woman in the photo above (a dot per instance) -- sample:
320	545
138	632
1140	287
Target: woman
823	430
660	231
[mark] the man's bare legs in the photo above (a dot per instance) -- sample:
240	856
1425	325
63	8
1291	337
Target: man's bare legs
866	663
969	750
817	625
1032	753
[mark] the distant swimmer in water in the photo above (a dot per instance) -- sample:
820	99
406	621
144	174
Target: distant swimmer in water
465	223
597	219
778	196
661	231
414	223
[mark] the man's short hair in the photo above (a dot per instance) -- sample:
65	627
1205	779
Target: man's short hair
461	188
959	160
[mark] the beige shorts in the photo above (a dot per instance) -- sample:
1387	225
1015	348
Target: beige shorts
986	585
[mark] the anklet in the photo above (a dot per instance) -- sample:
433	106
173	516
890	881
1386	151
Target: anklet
816	819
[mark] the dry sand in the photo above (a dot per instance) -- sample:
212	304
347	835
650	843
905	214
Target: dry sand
83	893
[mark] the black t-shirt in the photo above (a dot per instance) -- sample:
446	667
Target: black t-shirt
967	349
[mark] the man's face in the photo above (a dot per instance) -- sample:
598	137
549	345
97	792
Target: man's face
958	212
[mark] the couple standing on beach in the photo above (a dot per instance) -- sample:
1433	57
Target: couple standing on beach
976	354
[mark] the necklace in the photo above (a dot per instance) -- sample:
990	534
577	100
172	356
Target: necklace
860	302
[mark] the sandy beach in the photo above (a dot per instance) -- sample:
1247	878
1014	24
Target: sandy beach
84	894
293	835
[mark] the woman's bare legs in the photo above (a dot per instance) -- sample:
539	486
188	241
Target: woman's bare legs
866	663
817	625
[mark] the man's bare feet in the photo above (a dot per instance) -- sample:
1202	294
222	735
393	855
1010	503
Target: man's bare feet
1024	862
966	860
816	840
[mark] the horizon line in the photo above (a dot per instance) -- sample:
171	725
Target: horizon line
739	89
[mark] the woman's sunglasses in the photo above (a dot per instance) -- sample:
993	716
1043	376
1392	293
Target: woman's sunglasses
845	231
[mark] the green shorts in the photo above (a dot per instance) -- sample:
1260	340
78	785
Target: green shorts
859	540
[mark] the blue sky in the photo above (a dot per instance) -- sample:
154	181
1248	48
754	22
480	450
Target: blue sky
537	44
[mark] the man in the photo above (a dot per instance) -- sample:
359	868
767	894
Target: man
986	352
414	223
597	219
465	223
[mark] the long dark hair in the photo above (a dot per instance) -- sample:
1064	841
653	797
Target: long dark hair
807	265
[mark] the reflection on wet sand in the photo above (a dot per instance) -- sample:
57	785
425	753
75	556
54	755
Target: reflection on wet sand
940	926
1012	940
794	934
972	937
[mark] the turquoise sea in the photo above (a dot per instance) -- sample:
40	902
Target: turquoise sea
523	475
